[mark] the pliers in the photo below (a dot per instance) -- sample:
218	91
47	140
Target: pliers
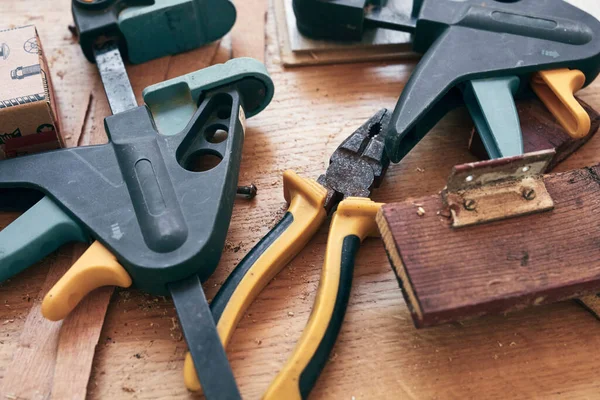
356	167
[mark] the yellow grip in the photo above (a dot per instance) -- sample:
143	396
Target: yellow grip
306	200
97	267
556	89
353	221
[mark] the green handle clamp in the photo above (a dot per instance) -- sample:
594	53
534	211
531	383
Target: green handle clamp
149	29
45	227
174	26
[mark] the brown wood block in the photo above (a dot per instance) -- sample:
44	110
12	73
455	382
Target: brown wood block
541	132
548	135
454	274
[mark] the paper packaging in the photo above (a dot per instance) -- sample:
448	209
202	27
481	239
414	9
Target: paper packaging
28	112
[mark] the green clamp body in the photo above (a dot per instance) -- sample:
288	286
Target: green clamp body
149	29
470	40
147	195
477	53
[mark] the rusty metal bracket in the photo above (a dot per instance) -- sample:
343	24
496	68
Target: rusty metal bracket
497	189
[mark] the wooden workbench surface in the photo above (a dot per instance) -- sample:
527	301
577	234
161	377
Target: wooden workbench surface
546	352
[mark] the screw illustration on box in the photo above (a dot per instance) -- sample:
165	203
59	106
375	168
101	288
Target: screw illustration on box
24	72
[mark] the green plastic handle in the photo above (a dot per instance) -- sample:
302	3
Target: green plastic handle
174	26
174	102
38	232
492	107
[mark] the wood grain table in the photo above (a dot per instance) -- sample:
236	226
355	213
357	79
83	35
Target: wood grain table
546	352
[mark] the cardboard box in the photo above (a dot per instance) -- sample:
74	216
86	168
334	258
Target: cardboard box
28	112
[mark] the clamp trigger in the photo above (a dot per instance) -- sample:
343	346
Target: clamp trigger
97	267
556	89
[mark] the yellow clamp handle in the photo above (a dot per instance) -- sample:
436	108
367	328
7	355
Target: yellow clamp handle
351	224
97	267
306	200
556	88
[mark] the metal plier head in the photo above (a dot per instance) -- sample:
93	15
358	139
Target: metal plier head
359	164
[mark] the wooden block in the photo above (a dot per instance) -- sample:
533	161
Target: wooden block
454	274
549	135
541	132
448	274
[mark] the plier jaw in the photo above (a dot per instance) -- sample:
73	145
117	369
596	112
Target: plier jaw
359	163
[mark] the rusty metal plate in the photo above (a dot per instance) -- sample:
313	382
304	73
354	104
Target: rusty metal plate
497	189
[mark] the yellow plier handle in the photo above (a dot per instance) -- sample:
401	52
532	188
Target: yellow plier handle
351	224
305	215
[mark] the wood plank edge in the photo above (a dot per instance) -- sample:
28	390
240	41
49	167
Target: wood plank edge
395	259
495	305
498	306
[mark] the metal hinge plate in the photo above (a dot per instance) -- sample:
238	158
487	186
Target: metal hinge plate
497	189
